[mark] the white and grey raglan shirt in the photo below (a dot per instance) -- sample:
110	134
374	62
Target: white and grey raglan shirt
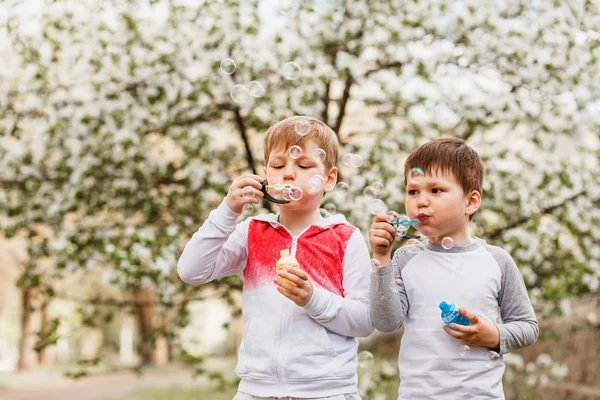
480	277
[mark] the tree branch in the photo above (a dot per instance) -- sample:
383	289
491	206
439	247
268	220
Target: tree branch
524	219
326	99
342	105
243	133
382	66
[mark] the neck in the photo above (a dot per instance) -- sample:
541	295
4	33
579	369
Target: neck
297	221
460	238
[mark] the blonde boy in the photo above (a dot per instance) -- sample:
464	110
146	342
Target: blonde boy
299	340
437	362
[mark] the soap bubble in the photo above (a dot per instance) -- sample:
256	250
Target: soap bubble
239	94
330	207
378	186
228	66
352	160
296	193
291	70
295	151
404	220
248	209
315	184
375	263
319	155
286	194
415	175
256	89
248	192
378	206
463	350
414	246
365	359
370	192
392	216
493	359
302	127
342	189
447	243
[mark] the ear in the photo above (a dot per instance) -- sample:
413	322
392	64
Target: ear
473	202
331	179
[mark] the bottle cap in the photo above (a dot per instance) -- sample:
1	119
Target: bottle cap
284	253
444	306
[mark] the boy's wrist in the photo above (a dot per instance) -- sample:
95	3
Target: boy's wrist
383	260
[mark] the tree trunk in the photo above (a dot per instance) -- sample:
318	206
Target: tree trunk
43	356
27	354
153	345
160	355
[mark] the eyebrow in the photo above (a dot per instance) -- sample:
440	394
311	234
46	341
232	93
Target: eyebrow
431	183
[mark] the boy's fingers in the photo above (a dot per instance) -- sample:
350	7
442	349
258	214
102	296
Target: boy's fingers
287	286
472	317
461	328
452	333
380	242
298	272
253	181
382	218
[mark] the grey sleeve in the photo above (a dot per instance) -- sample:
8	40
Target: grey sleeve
519	327
389	302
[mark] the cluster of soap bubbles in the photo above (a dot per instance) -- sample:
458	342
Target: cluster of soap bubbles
243	93
352	160
285	192
401	222
288	192
492	358
319	155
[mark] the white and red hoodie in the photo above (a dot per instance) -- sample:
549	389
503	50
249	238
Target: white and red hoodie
288	350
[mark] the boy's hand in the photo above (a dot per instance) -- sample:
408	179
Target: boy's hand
480	333
299	294
235	199
381	237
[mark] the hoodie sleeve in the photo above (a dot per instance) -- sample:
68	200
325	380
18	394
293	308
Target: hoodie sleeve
519	327
348	315
217	249
389	301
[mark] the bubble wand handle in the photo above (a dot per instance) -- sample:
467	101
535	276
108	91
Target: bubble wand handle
268	197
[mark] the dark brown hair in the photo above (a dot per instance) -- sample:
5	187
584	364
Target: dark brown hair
452	156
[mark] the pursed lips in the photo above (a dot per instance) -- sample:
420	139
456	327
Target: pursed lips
423	218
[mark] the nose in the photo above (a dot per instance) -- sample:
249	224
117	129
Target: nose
288	173
423	200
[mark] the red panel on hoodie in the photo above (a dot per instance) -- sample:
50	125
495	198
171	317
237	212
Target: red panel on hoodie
319	251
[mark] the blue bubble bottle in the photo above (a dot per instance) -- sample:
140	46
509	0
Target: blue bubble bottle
450	315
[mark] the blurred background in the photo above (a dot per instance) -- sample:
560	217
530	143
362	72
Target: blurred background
123	122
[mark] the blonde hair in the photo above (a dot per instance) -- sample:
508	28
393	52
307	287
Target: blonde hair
283	134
